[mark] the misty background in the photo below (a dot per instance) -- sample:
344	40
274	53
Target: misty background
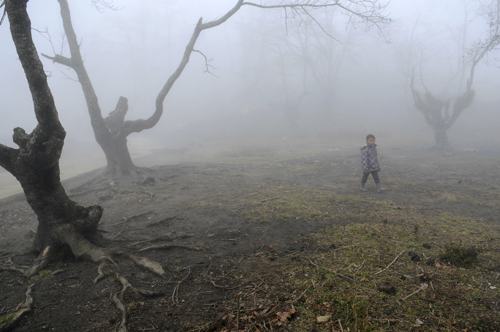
267	78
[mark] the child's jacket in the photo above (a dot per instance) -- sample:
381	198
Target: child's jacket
369	158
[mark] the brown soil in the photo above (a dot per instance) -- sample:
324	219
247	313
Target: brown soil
219	245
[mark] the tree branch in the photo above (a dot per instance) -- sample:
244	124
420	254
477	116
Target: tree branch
60	59
43	100
7	157
370	13
101	132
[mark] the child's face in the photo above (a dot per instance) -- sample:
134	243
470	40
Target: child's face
370	141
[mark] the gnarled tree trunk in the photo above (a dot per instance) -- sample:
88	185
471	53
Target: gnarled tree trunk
35	163
436	113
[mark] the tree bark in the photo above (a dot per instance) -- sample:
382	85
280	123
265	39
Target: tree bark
35	163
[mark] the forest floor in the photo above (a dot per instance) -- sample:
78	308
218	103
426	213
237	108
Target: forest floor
278	237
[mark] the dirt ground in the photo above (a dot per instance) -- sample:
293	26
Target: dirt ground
224	234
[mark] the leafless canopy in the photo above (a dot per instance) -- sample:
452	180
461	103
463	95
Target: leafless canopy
436	111
370	12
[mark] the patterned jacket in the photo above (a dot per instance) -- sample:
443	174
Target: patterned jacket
369	158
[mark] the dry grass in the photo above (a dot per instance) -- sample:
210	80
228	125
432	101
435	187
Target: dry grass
362	274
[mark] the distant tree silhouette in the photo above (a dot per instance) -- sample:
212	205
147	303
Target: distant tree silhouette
111	132
437	111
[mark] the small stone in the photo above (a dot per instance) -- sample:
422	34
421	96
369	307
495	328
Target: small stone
323	319
419	322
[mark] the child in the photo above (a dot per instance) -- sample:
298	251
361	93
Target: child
369	161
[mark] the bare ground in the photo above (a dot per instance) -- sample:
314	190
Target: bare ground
257	226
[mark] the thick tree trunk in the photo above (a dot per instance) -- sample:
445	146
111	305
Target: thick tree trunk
441	138
55	211
118	156
35	163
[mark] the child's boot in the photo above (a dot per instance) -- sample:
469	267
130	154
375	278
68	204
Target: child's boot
379	187
363	188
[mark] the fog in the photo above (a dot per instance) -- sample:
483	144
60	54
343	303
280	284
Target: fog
353	80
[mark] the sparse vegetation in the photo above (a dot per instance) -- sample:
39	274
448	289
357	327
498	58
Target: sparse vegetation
5	319
294	252
460	254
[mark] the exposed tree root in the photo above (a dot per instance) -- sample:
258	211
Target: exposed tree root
175	293
118	300
120	304
168	246
21	309
40	263
80	246
101	273
148	265
166	237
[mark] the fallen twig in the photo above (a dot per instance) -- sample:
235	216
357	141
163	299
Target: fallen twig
223	287
270	199
422	287
300	296
22	308
395	259
332	271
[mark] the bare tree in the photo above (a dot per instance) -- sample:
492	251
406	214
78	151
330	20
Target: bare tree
437	111
111	132
35	163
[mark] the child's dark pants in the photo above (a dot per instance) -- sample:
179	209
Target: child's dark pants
374	174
